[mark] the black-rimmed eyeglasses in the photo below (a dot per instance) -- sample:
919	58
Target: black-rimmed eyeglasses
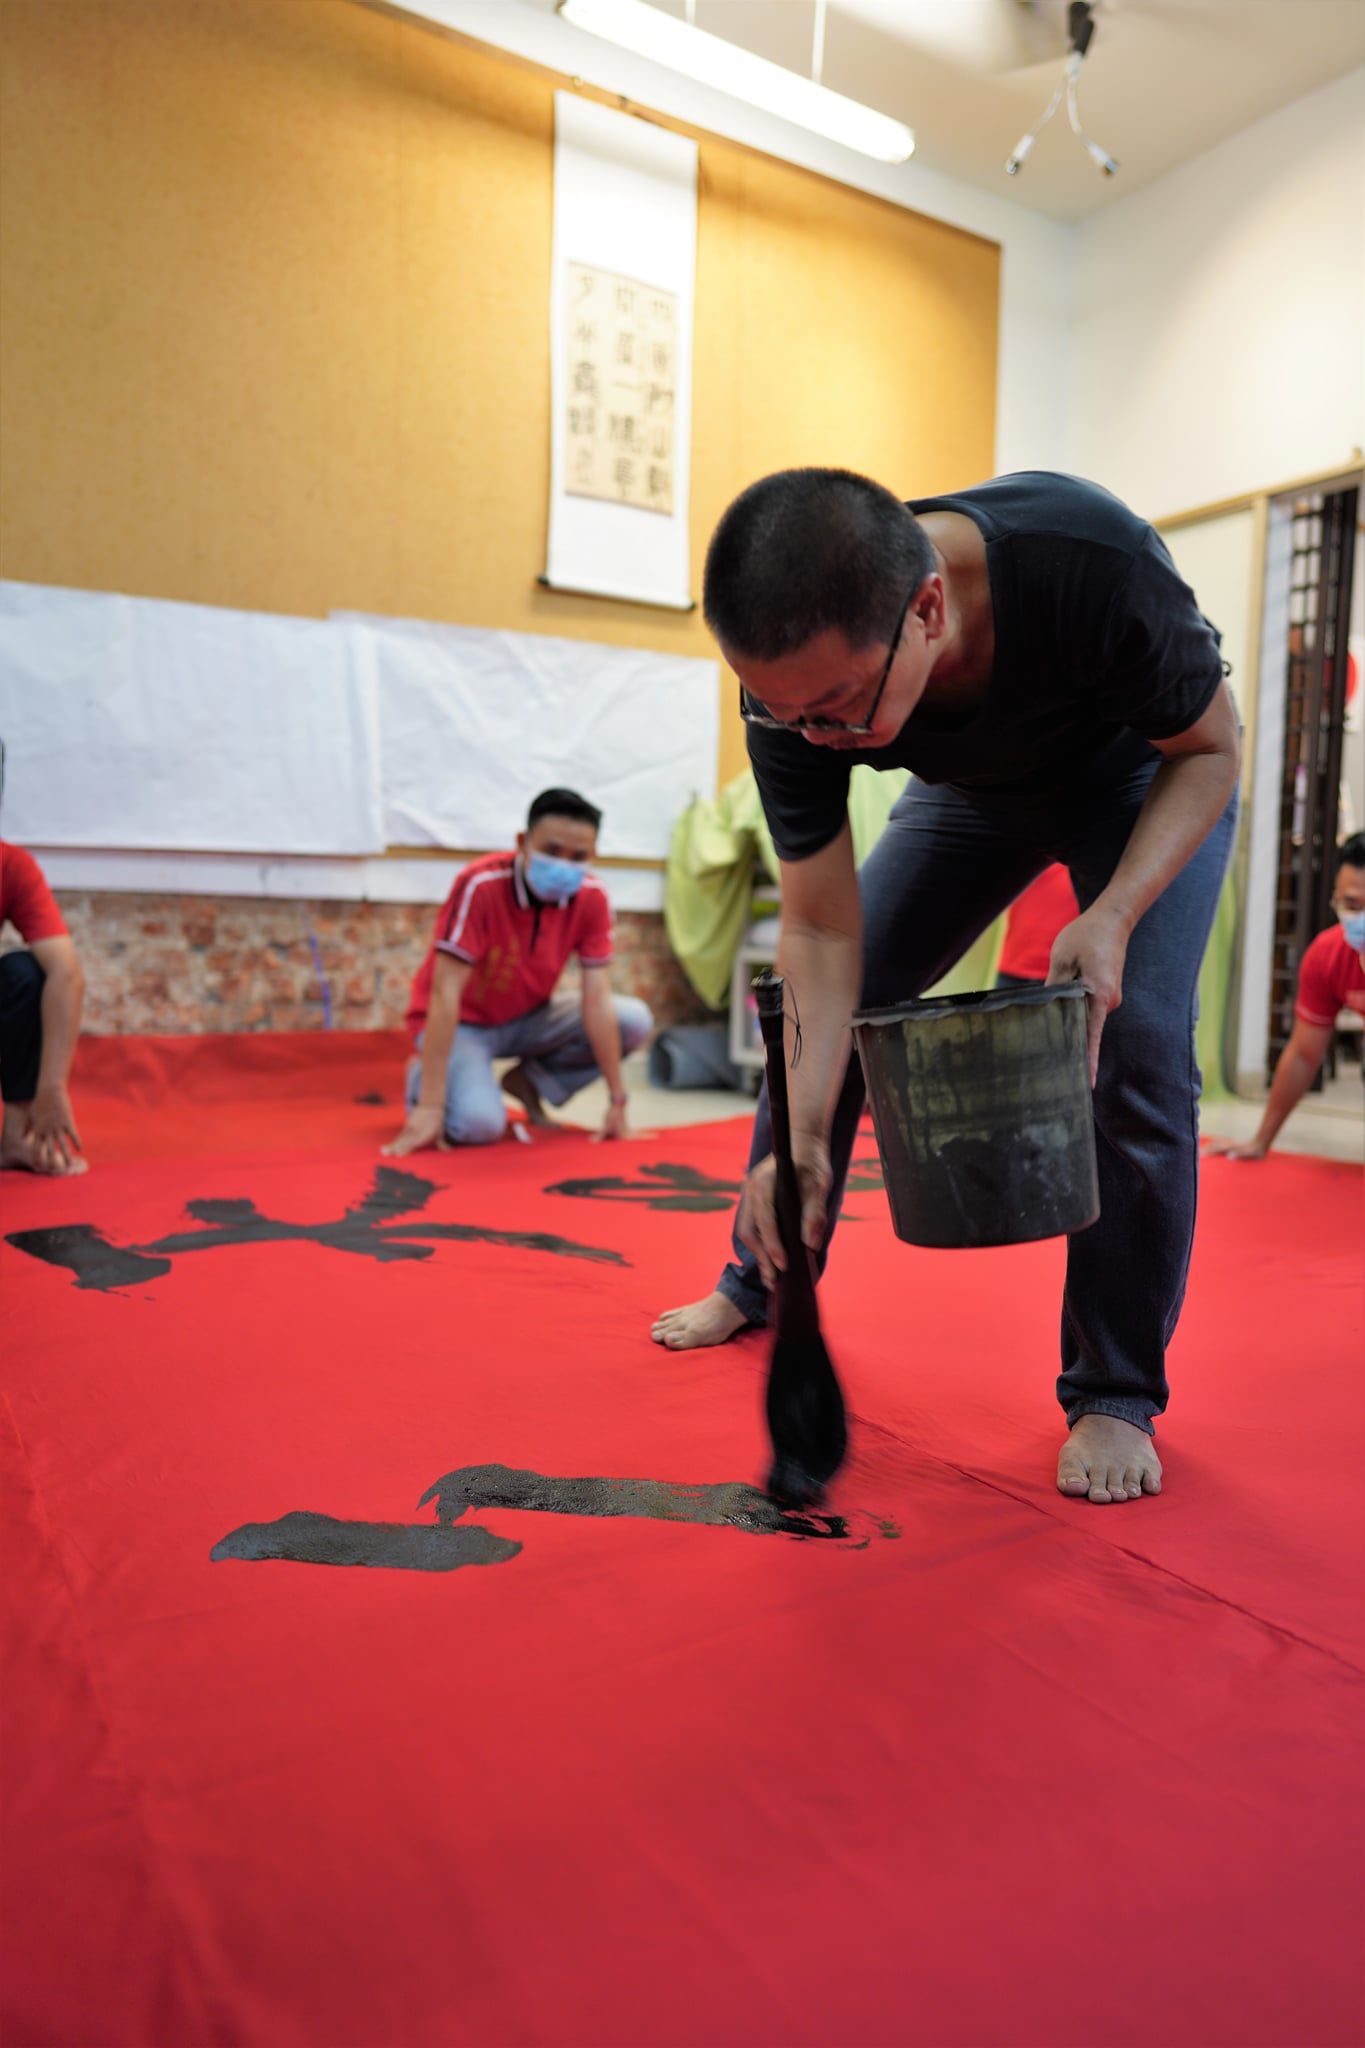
754	713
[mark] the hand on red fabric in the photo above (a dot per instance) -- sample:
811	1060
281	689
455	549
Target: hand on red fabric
613	1123
52	1129
422	1128
1232	1148
1092	949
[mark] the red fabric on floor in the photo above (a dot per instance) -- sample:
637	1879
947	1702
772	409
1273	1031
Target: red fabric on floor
999	1768
216	1094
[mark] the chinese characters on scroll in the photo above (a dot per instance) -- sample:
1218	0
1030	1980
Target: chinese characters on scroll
622	372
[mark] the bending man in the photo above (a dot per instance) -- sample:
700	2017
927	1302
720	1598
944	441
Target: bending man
1028	649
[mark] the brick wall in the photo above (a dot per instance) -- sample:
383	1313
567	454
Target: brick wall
200	963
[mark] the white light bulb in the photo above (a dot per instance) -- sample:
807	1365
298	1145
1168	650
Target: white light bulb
1019	155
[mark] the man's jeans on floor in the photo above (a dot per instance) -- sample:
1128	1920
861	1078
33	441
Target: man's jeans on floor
21	1025
551	1044
941	873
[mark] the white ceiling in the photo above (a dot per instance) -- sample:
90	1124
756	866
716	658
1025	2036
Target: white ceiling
1164	79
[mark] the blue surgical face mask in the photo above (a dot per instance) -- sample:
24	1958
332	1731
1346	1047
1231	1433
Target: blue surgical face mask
1352	922
554	881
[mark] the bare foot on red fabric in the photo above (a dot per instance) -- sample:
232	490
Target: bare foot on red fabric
517	1083
713	1321
20	1154
1106	1460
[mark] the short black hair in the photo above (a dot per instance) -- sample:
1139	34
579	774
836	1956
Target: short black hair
563	803
806	550
1351	852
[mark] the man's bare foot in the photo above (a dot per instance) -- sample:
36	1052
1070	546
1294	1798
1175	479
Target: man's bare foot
1107	1460
20	1155
713	1321
517	1083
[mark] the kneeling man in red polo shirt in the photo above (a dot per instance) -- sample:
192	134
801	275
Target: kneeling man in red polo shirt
42	987
486	989
1331	979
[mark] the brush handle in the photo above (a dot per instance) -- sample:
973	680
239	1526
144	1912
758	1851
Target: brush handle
770	997
804	1404
798	1281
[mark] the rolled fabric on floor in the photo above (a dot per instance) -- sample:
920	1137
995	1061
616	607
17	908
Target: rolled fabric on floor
694	1056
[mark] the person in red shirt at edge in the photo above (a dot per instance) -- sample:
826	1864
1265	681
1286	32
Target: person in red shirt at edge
42	987
1033	921
486	989
1331	979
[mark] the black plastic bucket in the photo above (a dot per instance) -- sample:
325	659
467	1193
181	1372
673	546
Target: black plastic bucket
982	1110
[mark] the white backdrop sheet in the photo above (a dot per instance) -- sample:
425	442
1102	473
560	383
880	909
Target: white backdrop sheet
132	722
475	722
626	202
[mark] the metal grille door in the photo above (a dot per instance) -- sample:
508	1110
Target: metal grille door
1315	706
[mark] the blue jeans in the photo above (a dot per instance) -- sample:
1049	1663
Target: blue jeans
552	1046
942	872
21	1025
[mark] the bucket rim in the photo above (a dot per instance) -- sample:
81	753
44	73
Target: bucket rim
984	1000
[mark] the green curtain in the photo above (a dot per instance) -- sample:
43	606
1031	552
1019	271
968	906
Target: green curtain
721	855
717	851
1216	994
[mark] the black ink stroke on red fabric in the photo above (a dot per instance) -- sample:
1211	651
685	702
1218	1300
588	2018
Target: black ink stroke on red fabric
377	1227
305	1537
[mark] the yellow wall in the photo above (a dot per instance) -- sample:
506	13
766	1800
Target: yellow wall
274	321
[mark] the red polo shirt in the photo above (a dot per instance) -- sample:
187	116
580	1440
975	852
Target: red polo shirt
517	946
26	902
1331	978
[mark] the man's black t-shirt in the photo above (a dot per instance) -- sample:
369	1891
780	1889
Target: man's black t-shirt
1099	648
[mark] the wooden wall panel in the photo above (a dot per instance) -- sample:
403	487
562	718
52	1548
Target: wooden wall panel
274	326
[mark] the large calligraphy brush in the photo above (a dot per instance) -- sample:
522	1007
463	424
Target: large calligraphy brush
805	1406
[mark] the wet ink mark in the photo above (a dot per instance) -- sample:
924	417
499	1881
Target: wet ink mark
88	1254
369	1229
668	1187
307	1538
671	1187
730	1506
865	1176
304	1537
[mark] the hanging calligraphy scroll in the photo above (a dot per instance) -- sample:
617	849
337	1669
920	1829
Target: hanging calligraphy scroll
621	356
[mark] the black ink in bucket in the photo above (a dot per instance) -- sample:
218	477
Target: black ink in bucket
981	1105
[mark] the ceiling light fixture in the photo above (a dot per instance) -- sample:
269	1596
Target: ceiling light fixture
710	60
1081	29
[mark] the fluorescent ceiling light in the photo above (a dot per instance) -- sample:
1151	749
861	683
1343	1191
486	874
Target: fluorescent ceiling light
712	61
